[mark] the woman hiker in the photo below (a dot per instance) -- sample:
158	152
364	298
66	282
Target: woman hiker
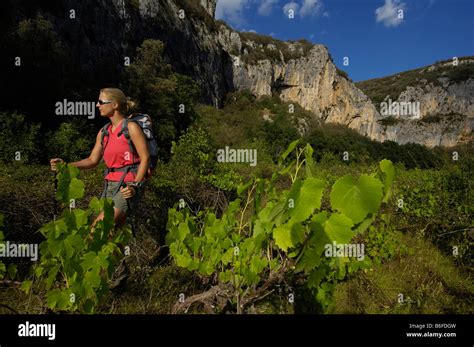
126	169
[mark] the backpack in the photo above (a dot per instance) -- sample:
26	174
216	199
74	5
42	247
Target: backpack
144	121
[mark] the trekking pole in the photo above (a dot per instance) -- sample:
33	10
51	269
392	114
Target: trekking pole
55	203
130	217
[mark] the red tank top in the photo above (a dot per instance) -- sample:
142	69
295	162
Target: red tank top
117	154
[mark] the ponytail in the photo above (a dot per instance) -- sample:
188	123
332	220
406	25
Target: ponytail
126	105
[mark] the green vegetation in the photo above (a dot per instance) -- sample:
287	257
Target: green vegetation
389	121
264	233
44	58
209	228
269	48
77	257
167	96
59	141
415	236
10	270
343	74
433	285
18	135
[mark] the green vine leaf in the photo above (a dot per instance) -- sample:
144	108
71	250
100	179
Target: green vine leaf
282	236
308	199
356	200
386	166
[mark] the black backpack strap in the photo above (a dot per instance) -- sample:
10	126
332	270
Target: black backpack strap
125	169
104	132
125	132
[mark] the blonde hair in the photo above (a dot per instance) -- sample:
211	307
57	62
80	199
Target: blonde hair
126	105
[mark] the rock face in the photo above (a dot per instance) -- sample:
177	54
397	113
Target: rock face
210	6
445	94
446	107
310	80
222	60
103	33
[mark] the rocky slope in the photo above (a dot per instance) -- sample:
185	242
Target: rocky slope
445	93
223	60
304	73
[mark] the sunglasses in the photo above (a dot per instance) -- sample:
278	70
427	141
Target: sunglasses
102	102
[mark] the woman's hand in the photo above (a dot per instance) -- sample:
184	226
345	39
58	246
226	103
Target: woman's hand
53	163
127	192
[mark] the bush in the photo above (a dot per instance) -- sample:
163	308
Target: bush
338	139
17	136
264	51
45	61
261	240
388	121
73	141
162	93
278	134
343	74
194	174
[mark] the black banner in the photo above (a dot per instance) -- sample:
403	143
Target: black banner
387	330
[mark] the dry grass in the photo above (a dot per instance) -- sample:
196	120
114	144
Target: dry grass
429	281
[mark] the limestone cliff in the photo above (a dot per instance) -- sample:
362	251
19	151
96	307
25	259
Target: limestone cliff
445	93
306	75
222	60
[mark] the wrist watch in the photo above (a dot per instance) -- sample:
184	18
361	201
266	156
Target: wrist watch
137	184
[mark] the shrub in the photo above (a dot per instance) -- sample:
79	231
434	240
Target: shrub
388	121
263	51
261	239
17	135
162	93
73	141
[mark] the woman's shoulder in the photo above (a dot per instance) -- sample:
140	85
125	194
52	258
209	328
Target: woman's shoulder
101	131
133	127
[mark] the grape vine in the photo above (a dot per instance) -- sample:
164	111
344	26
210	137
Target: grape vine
266	234
77	257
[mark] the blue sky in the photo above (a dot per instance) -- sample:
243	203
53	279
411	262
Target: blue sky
369	32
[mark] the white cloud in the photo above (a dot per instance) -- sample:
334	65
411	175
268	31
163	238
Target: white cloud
232	11
266	7
307	8
291	6
388	14
326	14
310	8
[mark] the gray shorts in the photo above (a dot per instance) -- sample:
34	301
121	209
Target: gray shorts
126	205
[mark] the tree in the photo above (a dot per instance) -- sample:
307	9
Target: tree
167	96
